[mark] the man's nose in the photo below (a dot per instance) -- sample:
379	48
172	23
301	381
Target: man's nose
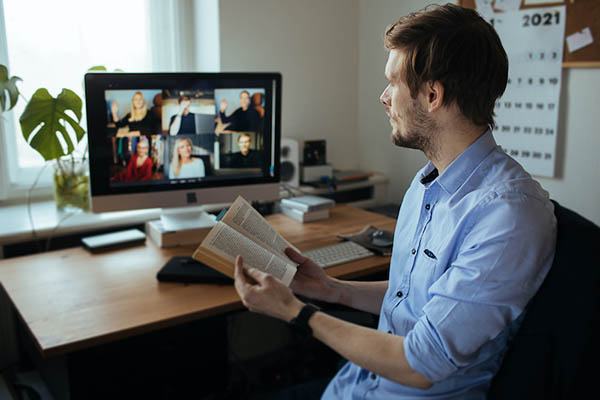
385	96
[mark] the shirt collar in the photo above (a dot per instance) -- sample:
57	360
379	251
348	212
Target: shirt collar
462	167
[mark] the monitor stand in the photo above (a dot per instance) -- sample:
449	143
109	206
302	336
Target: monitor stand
179	219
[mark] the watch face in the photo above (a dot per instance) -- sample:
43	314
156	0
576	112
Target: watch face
301	328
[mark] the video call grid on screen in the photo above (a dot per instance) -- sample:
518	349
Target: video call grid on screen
166	131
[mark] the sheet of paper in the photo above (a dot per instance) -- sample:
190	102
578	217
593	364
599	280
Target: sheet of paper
580	39
484	8
538	2
527	113
507	5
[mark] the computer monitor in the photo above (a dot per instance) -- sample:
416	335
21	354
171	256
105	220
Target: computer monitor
164	140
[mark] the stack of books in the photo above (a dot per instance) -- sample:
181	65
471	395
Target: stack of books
307	208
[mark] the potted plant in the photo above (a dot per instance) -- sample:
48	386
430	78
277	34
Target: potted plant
44	122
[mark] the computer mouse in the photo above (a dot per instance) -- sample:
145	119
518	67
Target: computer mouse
382	238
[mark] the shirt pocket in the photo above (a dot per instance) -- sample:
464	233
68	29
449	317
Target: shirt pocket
424	274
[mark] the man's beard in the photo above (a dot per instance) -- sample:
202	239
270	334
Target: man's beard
419	130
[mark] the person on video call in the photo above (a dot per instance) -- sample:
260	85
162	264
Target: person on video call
138	121
140	164
246	157
184	121
245	118
183	165
474	239
257	101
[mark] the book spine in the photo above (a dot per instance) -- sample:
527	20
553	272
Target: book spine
290	213
316	216
321	207
305	207
295	205
305	216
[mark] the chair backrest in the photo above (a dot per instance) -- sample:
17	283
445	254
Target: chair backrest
555	354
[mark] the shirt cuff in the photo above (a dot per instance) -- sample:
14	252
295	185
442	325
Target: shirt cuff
425	353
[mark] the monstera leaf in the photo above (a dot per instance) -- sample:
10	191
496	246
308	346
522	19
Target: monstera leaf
9	86
102	68
49	114
97	68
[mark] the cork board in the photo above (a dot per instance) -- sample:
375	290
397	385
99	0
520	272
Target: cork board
580	14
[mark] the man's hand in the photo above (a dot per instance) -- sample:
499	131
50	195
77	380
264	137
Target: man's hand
265	294
220	128
223	106
114	110
310	279
184	104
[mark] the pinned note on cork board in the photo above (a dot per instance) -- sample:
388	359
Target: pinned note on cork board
582	26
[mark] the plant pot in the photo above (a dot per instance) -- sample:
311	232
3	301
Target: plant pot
71	184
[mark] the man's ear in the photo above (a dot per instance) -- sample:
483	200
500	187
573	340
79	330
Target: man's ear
434	95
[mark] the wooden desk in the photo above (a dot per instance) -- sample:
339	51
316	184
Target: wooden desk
70	300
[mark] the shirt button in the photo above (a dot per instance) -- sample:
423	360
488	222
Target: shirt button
427	206
373	376
413	251
399	293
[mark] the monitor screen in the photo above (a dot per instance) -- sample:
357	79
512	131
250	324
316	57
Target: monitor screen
178	139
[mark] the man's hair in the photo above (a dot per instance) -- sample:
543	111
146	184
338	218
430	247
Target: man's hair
182	98
458	48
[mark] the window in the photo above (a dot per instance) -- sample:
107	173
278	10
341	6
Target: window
54	45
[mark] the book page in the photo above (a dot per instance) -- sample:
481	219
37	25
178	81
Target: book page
245	219
228	243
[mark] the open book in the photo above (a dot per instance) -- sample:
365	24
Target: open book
243	231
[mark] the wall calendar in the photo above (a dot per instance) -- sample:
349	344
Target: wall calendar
527	113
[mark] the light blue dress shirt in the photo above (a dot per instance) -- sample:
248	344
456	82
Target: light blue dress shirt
471	248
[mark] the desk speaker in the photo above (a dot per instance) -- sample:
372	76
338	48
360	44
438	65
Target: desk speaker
290	162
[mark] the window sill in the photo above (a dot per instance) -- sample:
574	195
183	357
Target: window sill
49	222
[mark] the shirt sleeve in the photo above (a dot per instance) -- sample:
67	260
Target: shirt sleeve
500	264
123	121
225	118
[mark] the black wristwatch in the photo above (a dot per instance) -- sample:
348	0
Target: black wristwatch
300	323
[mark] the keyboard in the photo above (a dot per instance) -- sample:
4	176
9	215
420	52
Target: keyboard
339	253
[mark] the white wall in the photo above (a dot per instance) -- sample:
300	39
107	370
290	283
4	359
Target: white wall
376	149
314	44
577	182
577	185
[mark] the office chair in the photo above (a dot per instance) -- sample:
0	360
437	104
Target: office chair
555	354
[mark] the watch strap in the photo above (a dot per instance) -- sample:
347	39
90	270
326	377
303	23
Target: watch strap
300	323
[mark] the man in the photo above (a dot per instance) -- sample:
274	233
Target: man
244	118
184	121
246	157
474	240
